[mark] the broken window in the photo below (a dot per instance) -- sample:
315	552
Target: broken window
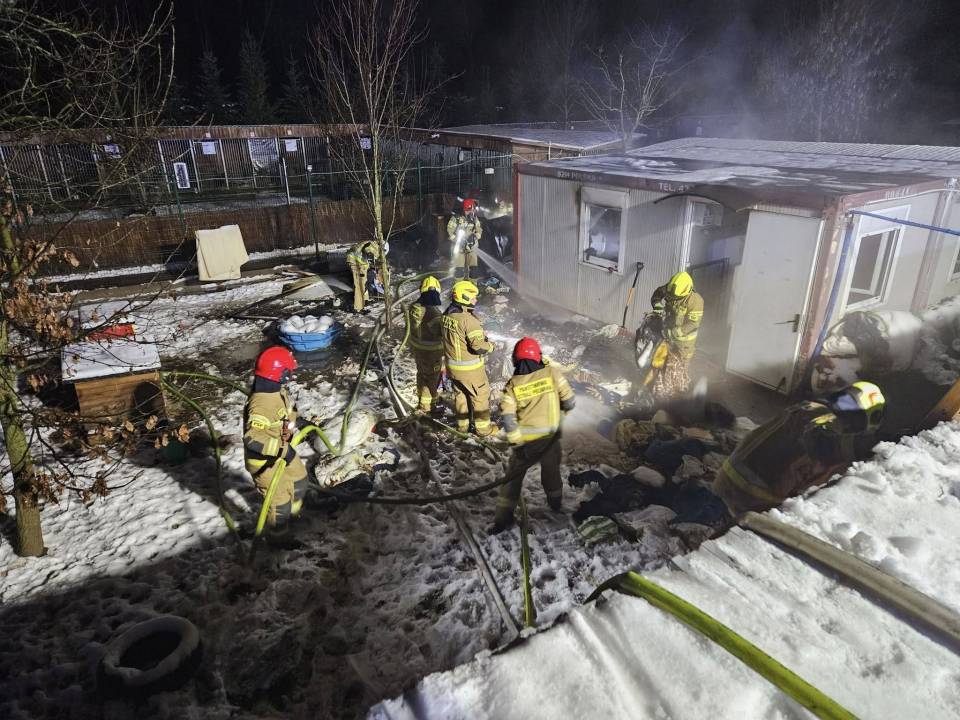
871	267
601	243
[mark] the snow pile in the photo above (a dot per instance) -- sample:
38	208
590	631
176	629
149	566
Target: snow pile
308	324
938	357
623	658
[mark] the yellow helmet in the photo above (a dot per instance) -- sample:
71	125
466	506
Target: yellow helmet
680	285
465	292
859	407
430	283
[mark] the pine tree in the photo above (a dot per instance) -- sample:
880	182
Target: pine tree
212	98
253	84
298	104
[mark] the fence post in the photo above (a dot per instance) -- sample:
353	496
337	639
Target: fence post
8	175
313	221
43	169
196	168
183	222
283	168
63	171
223	161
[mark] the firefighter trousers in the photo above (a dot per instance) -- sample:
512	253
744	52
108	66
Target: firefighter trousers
471	399
288	497
360	294
429	371
546	451
463	263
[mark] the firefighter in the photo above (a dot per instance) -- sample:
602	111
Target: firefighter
802	447
359	259
534	402
681	309
268	425
464	345
425	315
464	231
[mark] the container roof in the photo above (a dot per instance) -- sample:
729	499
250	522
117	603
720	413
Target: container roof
578	139
801	173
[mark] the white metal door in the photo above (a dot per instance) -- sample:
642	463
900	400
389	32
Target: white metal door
770	297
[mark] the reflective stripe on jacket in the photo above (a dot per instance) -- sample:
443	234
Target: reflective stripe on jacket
263	420
532	403
681	316
799	448
470	228
464	341
358	254
425	328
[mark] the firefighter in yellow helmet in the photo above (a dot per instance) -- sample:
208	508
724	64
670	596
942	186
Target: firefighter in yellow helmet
464	345
427	345
534	402
268	426
359	259
464	231
803	446
681	308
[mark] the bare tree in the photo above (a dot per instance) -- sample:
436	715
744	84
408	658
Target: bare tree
363	58
628	84
65	71
830	72
562	45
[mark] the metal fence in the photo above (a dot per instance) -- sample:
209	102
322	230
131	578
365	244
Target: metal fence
63	177
139	208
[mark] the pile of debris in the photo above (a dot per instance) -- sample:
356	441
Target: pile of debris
665	499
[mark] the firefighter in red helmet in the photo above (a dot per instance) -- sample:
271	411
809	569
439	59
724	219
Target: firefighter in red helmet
268	426
464	232
534	402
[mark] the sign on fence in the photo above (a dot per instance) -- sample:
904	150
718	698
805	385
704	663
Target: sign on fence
183	177
208	147
290	144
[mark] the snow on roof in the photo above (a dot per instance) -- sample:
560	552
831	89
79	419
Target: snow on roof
817	169
97	359
625	658
564	139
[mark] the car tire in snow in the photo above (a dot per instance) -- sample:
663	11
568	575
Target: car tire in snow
157	654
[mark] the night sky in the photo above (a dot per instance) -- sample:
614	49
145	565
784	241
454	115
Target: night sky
489	47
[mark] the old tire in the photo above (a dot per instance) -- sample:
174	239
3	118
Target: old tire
154	655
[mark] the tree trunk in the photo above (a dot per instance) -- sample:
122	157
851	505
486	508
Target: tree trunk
29	535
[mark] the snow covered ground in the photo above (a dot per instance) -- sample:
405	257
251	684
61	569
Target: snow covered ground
624	658
374	598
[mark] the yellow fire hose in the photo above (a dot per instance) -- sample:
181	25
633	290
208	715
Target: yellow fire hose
753	657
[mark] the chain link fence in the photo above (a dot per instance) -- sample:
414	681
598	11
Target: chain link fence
121	206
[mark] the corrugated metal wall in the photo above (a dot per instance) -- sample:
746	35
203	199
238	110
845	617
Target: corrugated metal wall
550	256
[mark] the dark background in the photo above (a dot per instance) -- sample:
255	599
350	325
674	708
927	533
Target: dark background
489	49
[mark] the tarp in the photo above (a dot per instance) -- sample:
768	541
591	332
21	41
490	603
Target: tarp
220	253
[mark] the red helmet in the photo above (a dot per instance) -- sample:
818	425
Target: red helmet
469	204
275	363
527	349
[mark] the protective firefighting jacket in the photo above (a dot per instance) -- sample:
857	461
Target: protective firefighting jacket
532	404
264	418
464	341
801	447
472	230
681	316
361	253
425	328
